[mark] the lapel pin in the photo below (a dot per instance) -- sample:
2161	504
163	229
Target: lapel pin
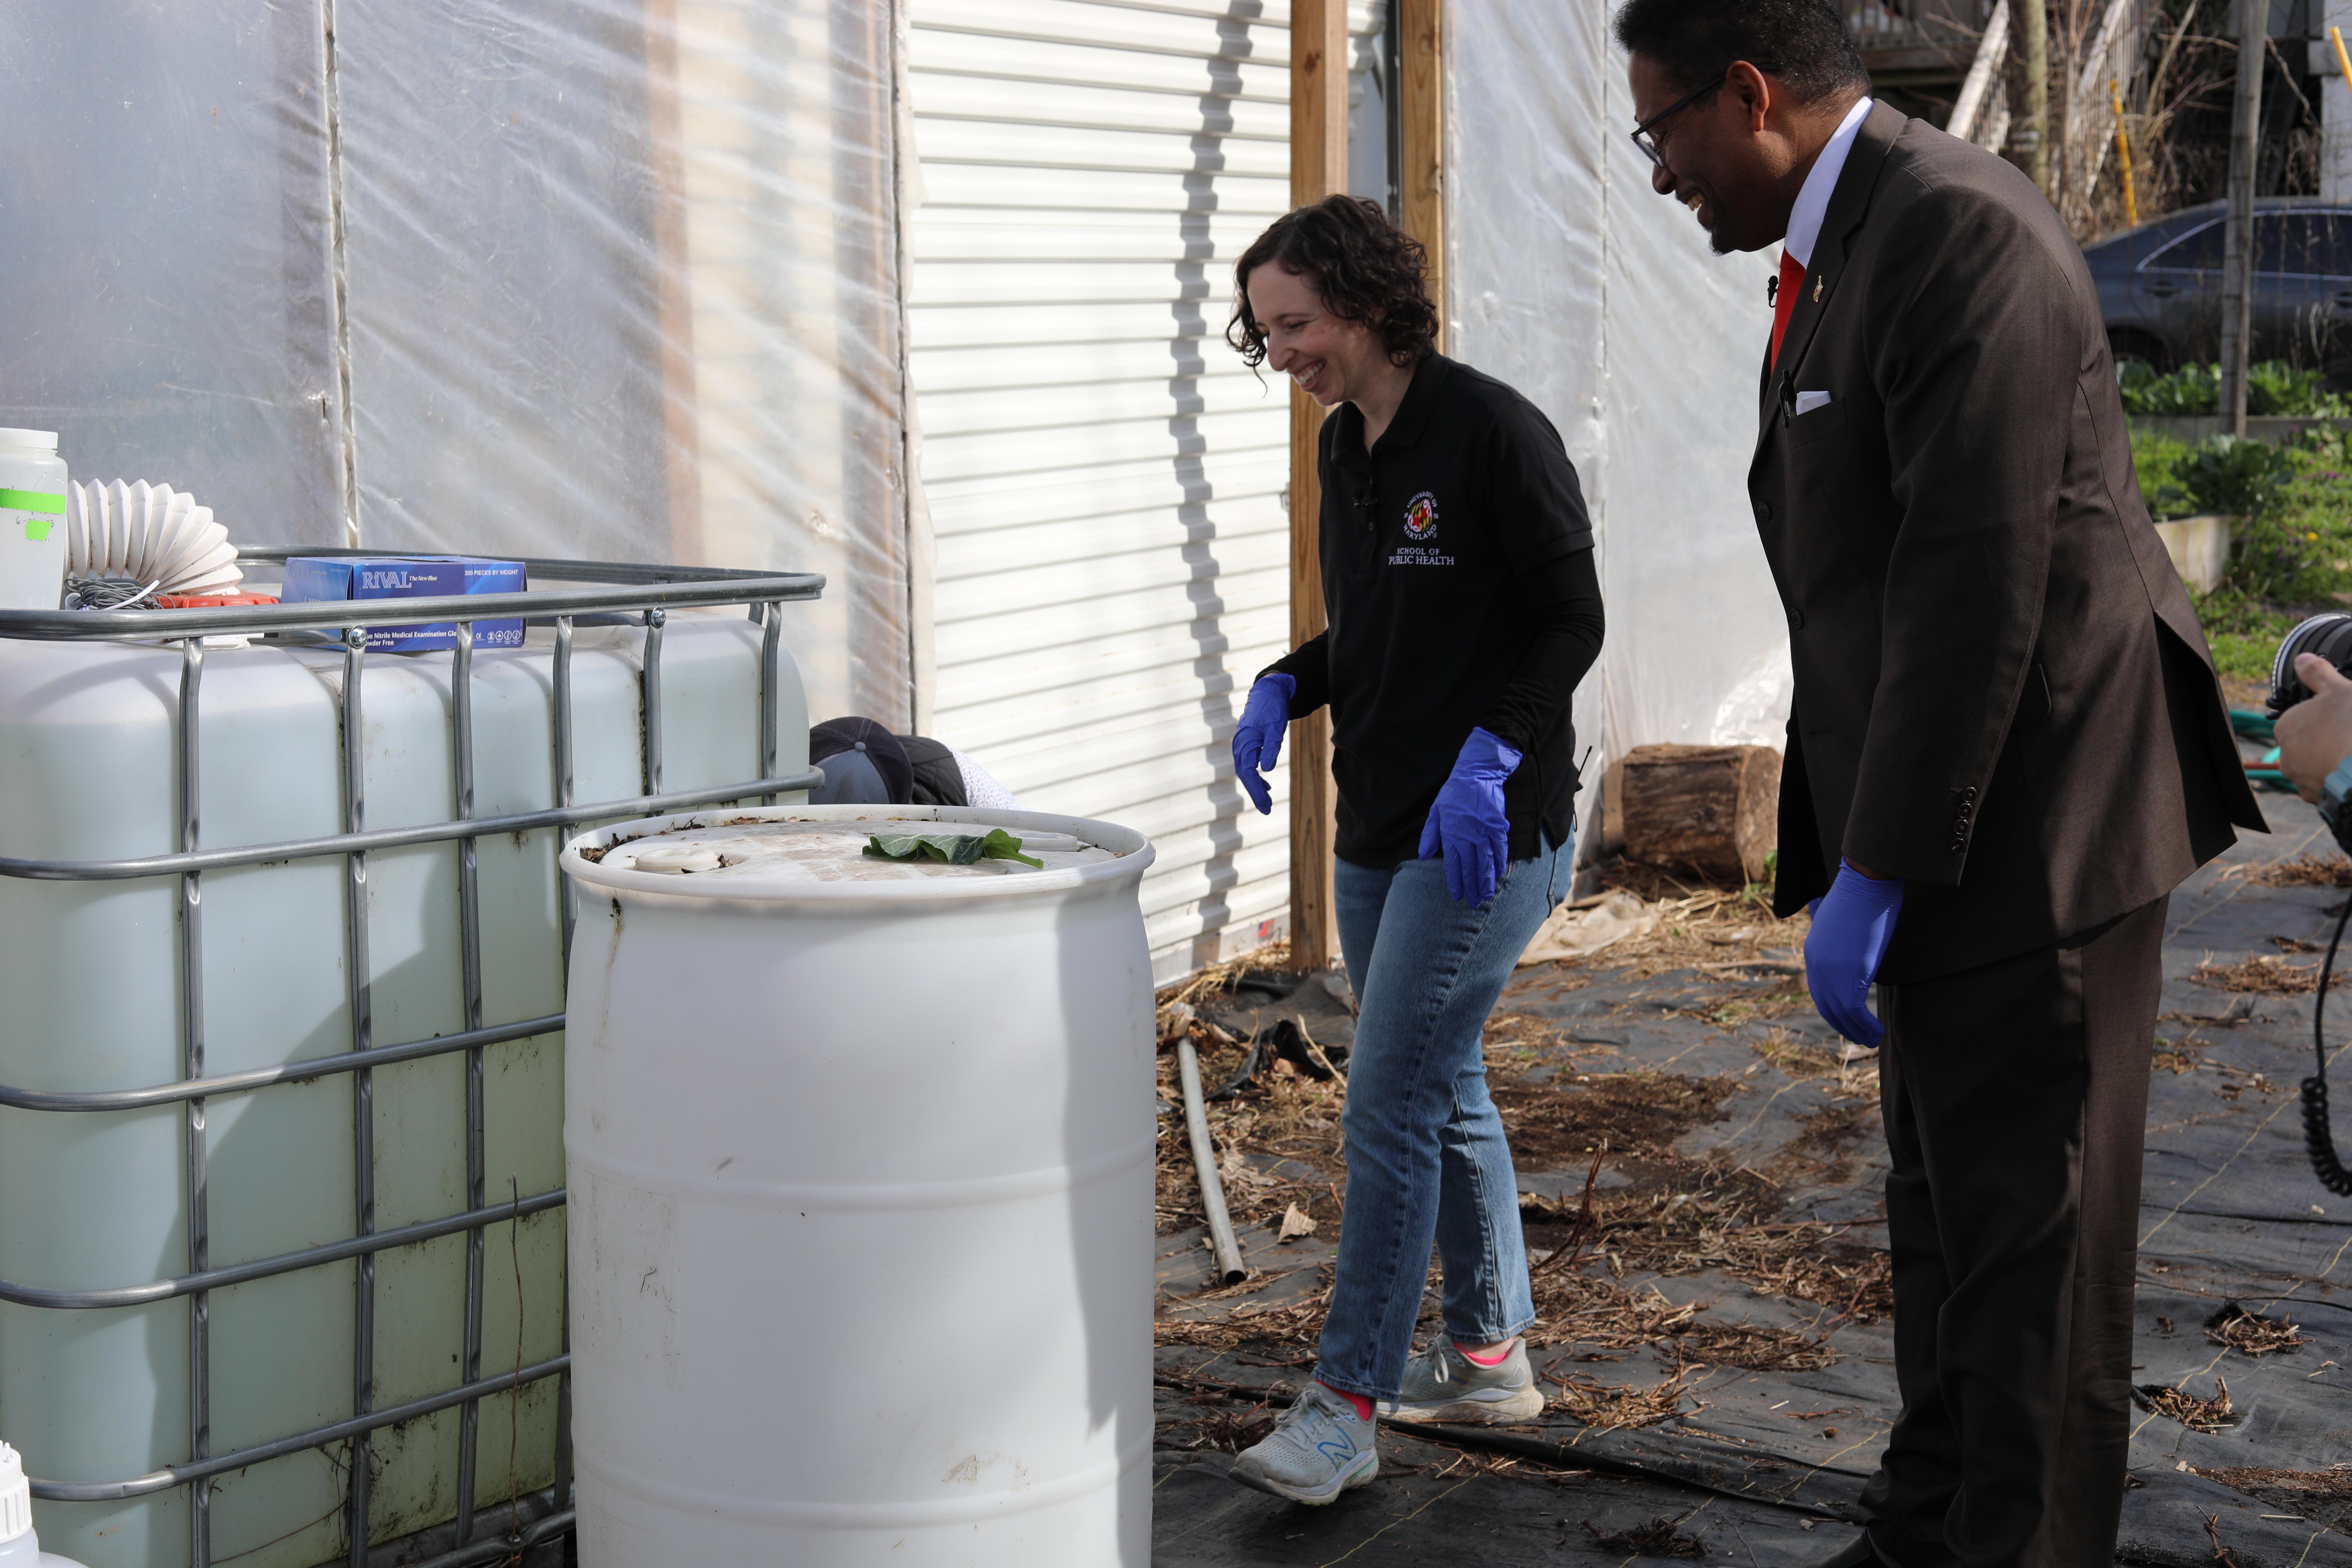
1817	288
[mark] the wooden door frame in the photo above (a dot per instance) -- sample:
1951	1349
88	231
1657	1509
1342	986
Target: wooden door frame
1319	166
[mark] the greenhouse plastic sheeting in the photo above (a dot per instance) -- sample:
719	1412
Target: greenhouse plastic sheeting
617	280
1574	281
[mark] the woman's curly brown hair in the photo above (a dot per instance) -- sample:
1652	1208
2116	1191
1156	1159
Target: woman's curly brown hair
1366	269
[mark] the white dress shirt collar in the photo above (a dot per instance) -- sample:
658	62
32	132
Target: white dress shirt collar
1814	199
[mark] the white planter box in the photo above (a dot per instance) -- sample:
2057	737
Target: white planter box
2199	548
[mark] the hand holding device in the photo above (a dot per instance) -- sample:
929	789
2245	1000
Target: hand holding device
1852	923
1469	822
2316	734
1257	739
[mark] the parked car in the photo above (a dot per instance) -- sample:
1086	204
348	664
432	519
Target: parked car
2160	285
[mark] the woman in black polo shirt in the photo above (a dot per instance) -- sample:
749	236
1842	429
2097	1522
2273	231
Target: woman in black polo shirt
1464	607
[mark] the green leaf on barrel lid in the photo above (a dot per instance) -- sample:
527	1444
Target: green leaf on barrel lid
953	848
1001	846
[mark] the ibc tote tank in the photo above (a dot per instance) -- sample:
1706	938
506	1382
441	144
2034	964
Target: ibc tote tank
859	1157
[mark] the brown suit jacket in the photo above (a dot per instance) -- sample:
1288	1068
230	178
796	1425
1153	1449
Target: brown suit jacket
2001	691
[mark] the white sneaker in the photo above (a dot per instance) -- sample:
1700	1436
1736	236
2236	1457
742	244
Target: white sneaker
1440	1384
1317	1449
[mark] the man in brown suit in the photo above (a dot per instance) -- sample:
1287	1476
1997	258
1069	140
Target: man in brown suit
2006	745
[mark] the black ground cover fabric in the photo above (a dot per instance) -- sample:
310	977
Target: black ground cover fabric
1763	1467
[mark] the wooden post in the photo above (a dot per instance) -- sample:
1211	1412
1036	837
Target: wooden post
2238	236
1421	144
1319	166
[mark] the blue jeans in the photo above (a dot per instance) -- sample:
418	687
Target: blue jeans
1427	1158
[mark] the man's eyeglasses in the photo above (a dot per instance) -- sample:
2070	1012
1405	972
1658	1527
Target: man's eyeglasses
1648	142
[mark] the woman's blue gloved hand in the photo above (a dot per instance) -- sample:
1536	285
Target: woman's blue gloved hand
1852	923
1468	821
1257	739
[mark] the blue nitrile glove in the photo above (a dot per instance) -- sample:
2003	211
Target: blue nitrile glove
1257	739
1468	821
1852	923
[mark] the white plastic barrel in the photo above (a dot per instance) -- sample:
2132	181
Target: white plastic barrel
859	1157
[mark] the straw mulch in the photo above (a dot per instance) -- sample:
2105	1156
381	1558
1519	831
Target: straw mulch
1274	958
1712	930
2271	976
1278	1144
2326	870
1753	1347
2213	1415
1610	1408
2250	1333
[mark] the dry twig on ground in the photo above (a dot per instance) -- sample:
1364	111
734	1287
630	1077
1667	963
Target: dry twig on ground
1712	929
2256	1335
2270	975
2328	870
1610	1408
1659	1538
2212	1414
1752	1347
1274	958
1578	1308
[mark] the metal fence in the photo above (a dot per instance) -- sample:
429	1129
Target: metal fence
626	593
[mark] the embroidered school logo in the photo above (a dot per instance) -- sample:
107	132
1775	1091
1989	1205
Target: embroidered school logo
1421	517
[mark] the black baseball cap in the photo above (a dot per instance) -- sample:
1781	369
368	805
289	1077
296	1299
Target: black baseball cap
863	764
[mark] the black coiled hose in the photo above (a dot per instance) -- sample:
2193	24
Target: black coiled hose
2317	1139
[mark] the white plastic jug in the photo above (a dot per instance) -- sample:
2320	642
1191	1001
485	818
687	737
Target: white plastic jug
32	520
20	1545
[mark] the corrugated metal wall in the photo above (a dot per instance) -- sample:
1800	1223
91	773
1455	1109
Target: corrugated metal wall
1105	478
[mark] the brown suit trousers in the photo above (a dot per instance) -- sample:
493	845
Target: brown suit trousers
2015	1097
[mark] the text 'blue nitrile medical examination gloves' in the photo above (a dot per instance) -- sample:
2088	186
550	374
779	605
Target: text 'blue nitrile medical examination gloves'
1468	821
1852	923
1257	739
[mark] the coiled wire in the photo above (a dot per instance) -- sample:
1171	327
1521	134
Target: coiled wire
2318	1141
110	594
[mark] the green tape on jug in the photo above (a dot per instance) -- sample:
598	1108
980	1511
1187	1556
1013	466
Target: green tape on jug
32	501
37	528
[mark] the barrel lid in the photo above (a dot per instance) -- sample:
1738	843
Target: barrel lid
819	849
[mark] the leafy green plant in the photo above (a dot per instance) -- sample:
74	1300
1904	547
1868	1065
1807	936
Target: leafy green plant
2192	389
2292	548
2244	633
2293	544
2234	475
2156	459
2273	389
955	848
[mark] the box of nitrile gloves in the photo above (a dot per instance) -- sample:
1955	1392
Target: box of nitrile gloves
318	577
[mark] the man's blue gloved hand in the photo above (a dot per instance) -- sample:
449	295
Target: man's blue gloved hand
1257	739
1468	821
1852	923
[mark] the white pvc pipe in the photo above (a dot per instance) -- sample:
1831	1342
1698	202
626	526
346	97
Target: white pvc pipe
1231	1270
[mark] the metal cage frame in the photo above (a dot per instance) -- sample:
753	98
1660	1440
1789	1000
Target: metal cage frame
640	592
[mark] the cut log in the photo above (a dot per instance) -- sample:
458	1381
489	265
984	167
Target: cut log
1711	811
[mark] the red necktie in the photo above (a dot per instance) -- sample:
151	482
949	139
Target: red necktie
1784	303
